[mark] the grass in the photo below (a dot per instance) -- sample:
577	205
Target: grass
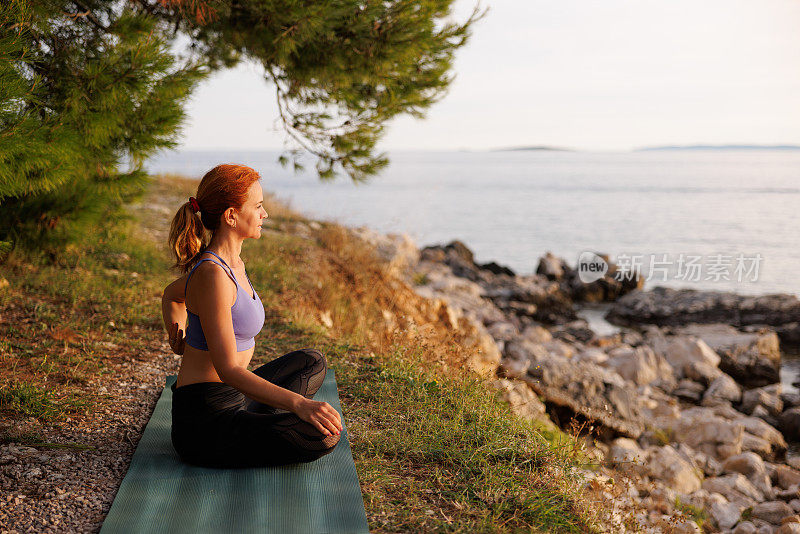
696	513
434	447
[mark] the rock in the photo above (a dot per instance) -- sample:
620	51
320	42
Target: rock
702	372
511	368
793	461
753	358
725	388
706	432
536	334
790	423
496	268
757	445
726	514
789	528
559	348
502	331
589	390
666	306
398	250
752	466
523	401
486	356
762	527
745	527
688	390
667	465
523	350
683	351
768	396
790	399
552	266
761	429
625	451
686	526
794	504
735	487
785	476
640	365
772	511
661	499
787	495
595	356
574	332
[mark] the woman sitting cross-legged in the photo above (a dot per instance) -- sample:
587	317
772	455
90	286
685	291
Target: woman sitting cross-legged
224	415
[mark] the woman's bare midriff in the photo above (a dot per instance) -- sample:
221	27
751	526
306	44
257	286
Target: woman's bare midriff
196	366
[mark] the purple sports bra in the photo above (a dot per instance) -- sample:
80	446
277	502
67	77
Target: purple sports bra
247	313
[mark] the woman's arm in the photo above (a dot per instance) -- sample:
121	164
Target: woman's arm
173	304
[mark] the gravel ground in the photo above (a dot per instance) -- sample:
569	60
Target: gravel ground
50	489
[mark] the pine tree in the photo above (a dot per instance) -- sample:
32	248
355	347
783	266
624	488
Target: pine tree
89	89
86	97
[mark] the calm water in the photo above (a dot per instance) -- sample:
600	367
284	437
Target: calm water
511	207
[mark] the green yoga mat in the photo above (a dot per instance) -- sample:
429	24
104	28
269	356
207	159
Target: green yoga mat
161	494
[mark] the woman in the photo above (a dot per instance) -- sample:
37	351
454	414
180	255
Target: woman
224	415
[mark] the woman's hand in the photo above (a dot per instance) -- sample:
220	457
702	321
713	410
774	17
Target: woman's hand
320	414
176	340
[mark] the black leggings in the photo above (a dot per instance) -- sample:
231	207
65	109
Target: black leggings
215	425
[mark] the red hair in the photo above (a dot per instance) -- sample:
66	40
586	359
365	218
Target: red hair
222	187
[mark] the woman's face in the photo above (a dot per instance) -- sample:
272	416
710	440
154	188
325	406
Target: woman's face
248	224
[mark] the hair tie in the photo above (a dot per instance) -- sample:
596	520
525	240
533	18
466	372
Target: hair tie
193	203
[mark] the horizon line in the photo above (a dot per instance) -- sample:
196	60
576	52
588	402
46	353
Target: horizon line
531	148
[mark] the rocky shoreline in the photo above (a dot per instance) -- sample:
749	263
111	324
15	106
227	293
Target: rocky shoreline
686	399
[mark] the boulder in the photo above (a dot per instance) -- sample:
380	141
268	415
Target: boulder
768	397
536	334
689	390
772	511
763	430
552	267
726	514
735	487
752	466
625	451
668	465
522	400
786	477
398	250
706	432
745	527
702	372
682	352
722	388
752	358
587	389
757	445
790	423
592	355
640	365
667	307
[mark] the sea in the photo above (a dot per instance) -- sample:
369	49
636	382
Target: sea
722	220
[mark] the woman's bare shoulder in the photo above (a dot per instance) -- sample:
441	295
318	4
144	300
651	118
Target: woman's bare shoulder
214	281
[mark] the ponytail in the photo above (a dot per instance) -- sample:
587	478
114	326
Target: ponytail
187	237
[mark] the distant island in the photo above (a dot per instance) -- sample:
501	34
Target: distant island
721	147
518	148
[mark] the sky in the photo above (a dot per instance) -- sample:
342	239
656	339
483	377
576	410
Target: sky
609	75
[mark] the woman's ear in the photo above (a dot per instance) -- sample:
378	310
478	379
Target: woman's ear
228	216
